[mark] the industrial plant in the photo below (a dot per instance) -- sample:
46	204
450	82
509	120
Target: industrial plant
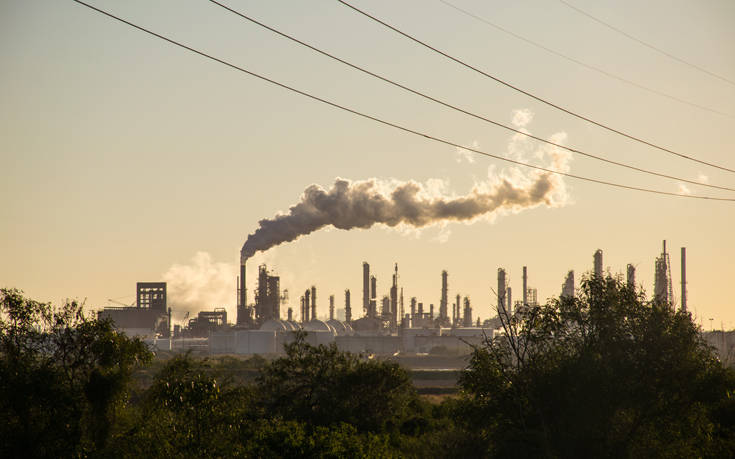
388	324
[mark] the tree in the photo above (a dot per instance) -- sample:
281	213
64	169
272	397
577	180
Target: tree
605	374
323	386
186	412
63	377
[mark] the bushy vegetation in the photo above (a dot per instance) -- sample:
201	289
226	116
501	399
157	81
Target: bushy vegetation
603	375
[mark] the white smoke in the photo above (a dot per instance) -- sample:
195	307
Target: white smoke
362	204
203	284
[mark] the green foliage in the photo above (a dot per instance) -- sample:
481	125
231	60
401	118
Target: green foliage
63	377
186	412
602	375
323	386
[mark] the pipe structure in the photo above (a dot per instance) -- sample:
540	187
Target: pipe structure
525	286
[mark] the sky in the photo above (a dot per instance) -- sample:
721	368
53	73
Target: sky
126	159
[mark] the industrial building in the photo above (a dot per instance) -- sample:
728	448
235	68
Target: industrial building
148	316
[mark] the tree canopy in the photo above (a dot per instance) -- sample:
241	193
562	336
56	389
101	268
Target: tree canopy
604	374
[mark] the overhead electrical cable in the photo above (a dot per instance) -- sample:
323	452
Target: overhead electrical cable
647	45
394	125
531	95
583	64
459	109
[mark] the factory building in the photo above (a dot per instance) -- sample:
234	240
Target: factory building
149	316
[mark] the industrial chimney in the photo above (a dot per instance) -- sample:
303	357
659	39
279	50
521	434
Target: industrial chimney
598	263
313	302
348	308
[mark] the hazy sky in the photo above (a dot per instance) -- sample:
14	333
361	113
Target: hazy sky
126	159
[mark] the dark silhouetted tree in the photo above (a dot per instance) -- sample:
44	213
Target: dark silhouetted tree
63	378
605	374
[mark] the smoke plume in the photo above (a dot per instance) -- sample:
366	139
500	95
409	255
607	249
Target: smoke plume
203	284
361	204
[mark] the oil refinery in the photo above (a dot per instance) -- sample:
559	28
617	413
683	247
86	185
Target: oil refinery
389	324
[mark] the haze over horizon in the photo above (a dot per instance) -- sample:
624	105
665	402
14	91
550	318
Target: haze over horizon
127	159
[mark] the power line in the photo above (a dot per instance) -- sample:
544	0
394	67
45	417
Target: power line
531	95
393	125
647	45
456	108
583	64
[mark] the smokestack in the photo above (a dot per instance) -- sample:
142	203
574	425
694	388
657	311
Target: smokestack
567	289
510	300
631	276
290	314
365	288
331	307
501	291
401	301
444	300
394	298
307	297
459	310
684	279
242	299
525	286
467	319
243	289
431	310
348	308
313	303
373	311
597	259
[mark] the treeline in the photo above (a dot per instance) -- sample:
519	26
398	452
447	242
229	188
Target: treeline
605	374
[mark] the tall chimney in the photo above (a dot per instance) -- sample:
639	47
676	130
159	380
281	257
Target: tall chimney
313	302
597	262
331	307
684	279
525	286
365	288
459	310
444	299
631	276
307	297
501	291
242	300
348	308
373	310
